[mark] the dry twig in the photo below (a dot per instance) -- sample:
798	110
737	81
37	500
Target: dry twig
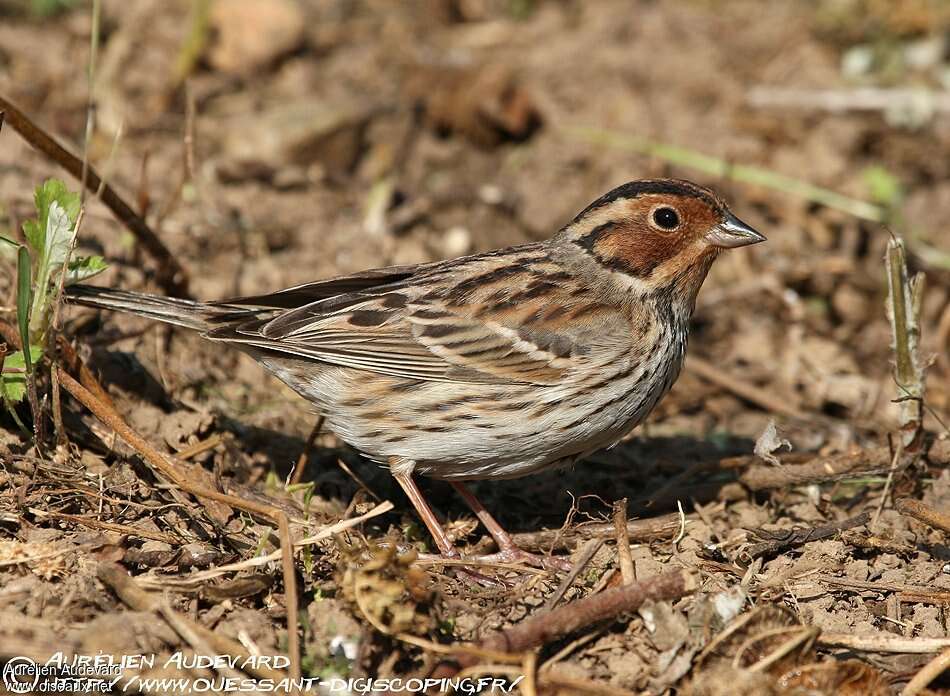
290	593
916	594
127	589
639	531
924	513
548	626
125	529
854	99
193	579
884	643
301	466
779	541
762	398
931	671
623	543
818	470
587	553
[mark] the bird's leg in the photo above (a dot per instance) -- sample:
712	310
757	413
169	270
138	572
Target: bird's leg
435	528
508	550
425	513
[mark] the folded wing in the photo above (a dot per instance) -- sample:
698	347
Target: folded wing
434	323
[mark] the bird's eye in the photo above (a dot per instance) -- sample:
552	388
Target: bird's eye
666	218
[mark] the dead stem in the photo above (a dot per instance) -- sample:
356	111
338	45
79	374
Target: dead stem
301	466
884	643
624	558
931	671
818	470
291	599
155	459
639	531
895	461
194	578
124	529
74	365
128	591
760	397
786	539
924	513
905	593
587	553
194	450
548	626
905	296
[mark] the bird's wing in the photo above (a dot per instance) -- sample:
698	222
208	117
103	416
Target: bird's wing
301	295
493	319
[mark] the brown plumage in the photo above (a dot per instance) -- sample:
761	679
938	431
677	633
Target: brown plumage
493	365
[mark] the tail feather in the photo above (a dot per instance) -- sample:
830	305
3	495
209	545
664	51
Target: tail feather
171	310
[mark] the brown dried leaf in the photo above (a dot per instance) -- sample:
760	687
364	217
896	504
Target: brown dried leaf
770	441
247	586
388	591
756	636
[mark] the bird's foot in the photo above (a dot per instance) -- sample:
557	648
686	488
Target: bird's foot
518	556
459	567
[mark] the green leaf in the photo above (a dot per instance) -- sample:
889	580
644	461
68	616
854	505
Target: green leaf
59	235
48	8
23	296
84	267
35	235
50	236
884	187
49	192
13	383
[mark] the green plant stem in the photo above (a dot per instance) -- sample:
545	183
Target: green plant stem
3	392
24	292
195	40
90	106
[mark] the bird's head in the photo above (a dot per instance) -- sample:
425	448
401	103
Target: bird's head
657	234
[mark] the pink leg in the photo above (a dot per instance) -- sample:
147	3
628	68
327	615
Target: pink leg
436	530
508	551
428	517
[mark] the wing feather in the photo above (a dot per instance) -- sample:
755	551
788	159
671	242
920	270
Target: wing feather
422	323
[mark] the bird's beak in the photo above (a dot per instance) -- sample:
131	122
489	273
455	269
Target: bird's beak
732	233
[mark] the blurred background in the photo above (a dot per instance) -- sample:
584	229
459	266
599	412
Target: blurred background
274	142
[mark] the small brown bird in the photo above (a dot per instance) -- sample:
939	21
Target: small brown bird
494	365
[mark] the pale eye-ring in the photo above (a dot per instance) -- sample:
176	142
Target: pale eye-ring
666	218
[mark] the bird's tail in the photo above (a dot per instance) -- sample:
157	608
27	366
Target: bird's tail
171	310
